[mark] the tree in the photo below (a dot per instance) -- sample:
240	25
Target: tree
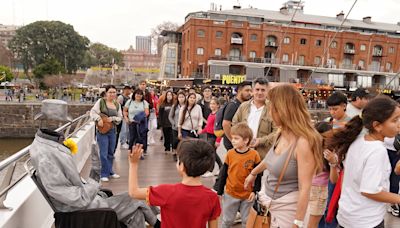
51	66
156	32
101	55
33	44
6	71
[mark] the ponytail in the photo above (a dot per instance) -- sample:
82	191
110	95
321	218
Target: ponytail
341	139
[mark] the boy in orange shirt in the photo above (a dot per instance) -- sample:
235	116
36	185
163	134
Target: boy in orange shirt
238	164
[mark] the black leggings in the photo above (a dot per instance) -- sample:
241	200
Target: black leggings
167	131
211	138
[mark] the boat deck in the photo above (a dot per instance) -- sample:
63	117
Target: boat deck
159	168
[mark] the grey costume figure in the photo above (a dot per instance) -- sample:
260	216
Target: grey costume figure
59	175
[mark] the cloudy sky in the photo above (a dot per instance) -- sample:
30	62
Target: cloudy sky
116	23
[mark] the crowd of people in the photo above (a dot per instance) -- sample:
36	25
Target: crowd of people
339	172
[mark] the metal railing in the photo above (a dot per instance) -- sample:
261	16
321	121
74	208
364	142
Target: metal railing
11	162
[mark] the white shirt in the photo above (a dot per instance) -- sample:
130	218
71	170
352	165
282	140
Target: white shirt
352	111
389	143
366	169
254	118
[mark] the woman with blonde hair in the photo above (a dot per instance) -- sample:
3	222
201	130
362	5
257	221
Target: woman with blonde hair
297	152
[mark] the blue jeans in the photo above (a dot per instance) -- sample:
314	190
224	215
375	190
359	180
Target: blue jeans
123	135
322	222
106	145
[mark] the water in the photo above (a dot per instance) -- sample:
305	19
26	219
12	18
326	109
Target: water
9	146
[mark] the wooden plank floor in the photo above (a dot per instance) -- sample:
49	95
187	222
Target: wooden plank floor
159	168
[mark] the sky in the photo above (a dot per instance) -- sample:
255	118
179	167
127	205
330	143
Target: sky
116	23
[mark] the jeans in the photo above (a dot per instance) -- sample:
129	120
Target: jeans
106	145
322	222
211	139
175	140
135	137
394	157
123	136
231	206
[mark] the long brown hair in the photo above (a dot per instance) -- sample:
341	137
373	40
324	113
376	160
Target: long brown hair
290	106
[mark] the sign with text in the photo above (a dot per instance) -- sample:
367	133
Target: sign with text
233	79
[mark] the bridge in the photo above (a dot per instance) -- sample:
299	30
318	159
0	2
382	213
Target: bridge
22	205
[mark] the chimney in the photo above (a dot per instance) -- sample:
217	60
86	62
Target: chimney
237	7
367	20
284	10
340	16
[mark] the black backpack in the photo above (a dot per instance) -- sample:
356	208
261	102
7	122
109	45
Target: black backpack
219	118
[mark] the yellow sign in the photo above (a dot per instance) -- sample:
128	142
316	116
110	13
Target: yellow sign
233	79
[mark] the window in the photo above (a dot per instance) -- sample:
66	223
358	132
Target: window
391	50
388	66
218	34
171	53
252	54
334	44
253	37
286	40
201	33
317	60
364	81
200	51
285	58
217	52
318	43
336	79
187	54
303	41
362	47
301	60
361	64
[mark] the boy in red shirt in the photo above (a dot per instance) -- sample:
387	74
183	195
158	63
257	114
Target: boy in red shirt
239	163
189	203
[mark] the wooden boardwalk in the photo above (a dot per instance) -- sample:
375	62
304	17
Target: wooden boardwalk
159	168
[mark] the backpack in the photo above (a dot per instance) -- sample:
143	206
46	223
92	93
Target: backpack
219	118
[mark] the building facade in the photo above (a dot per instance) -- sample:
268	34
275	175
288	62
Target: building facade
255	42
170	54
7	32
143	44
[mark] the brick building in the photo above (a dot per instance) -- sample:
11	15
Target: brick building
255	42
139	59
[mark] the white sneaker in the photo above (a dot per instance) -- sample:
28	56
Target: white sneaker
207	174
115	176
125	146
104	179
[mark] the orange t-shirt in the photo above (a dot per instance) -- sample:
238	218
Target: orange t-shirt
240	165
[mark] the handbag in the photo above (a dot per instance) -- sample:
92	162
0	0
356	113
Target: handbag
260	215
107	125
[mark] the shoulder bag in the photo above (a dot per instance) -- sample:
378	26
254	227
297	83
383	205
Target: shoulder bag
259	215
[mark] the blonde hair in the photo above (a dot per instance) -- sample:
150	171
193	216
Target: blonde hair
290	107
243	130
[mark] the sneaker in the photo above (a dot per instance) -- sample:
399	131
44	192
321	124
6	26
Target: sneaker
125	146
238	218
115	176
395	210
207	174
104	179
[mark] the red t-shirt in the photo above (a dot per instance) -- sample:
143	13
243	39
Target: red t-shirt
184	206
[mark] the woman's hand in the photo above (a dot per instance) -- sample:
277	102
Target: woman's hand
251	197
135	153
199	131
100	123
330	156
249	182
180	136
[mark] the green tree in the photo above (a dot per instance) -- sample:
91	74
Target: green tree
33	44
101	55
51	66
6	73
